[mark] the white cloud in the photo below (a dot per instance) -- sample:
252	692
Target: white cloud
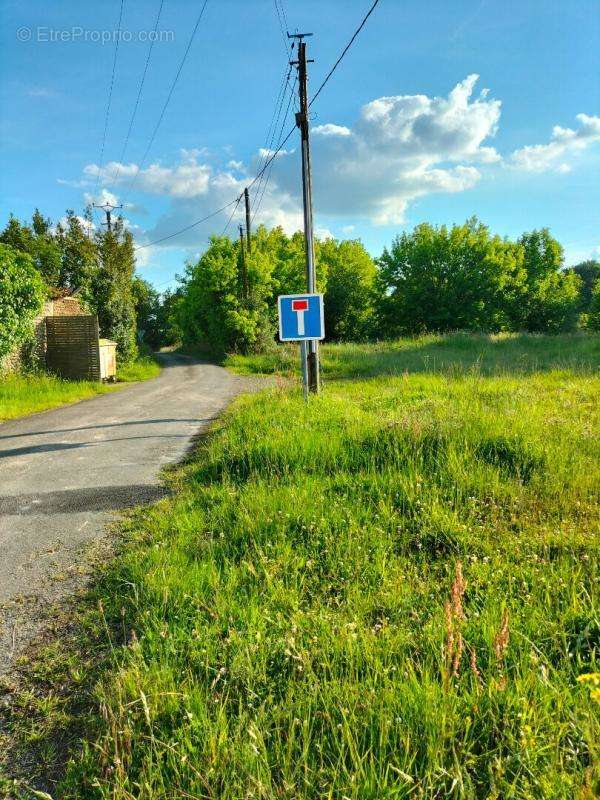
87	225
564	144
103	198
323	233
188	179
399	148
331	130
265	152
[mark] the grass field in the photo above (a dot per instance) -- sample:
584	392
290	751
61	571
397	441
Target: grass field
28	394
390	592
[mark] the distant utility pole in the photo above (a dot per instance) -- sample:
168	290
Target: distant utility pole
247	200
108	208
302	121
243	263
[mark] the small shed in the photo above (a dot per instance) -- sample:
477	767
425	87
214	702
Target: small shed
108	360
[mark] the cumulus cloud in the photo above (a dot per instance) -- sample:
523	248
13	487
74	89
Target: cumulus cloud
331	130
86	224
398	149
563	145
187	179
401	148
104	197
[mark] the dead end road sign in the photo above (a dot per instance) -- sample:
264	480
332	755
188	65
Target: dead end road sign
301	317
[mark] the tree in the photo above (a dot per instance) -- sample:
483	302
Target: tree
594	308
111	294
147	301
440	279
22	293
215	309
350	295
589	273
39	242
551	298
154	313
80	261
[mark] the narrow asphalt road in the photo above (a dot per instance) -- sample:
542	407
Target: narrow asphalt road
64	473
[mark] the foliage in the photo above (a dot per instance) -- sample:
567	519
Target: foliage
350	296
551	298
389	592
112	296
22	293
79	261
589	272
232	313
147	303
463	278
594	313
101	267
212	308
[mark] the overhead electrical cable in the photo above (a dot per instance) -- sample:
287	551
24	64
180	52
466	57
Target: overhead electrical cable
231	216
168	100
344	51
283	27
271	133
110	94
270	169
282	142
188	227
139	93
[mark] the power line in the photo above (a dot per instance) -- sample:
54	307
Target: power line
270	140
283	26
188	227
281	144
170	94
282	4
231	216
268	173
225	207
344	51
139	94
110	93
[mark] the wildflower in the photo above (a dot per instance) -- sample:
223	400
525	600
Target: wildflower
593	679
502	637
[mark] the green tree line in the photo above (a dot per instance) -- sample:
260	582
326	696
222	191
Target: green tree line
434	278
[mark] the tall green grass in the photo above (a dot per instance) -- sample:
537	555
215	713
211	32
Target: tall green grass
388	592
29	393
519	353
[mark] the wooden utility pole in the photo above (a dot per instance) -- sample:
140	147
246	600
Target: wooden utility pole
243	264
302	121
108	208
248	229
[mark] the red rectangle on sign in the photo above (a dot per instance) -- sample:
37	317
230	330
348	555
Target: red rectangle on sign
299	305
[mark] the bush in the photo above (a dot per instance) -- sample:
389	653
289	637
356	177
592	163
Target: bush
22	293
594	315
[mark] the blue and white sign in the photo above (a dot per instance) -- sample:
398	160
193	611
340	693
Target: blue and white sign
301	317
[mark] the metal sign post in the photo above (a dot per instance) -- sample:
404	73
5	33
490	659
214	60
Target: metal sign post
304	366
301	319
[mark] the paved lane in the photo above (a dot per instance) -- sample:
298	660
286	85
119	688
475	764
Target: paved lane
64	473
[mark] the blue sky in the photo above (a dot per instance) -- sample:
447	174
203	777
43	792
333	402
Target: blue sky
403	133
